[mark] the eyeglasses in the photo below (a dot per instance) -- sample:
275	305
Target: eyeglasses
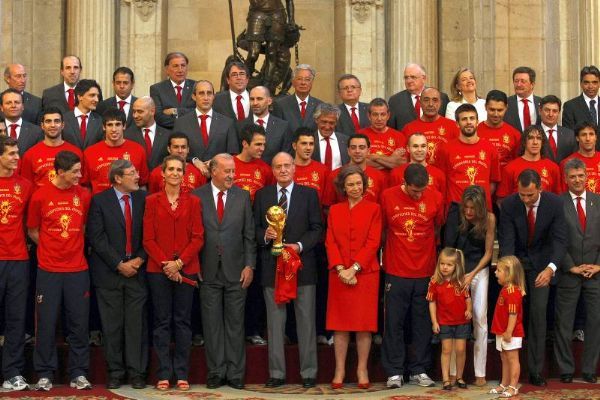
347	88
237	74
303	79
411	77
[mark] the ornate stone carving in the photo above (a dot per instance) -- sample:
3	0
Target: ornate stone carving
144	8
362	8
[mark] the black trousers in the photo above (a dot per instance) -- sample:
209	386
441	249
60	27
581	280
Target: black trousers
14	283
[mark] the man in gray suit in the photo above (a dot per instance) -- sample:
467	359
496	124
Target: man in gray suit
228	259
353	113
11	105
578	275
173	96
147	133
298	109
83	126
209	133
235	101
563	137
123	83
63	94
331	147
15	77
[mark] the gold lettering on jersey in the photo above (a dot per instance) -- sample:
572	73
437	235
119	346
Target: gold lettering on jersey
126	156
430	180
76	201
471	174
409	225
482	155
64	221
315	176
257	174
5	208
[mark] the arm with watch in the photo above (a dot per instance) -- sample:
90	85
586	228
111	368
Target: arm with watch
348	275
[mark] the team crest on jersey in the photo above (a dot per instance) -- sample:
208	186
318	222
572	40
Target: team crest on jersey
51	175
441	131
191	179
126	156
257	174
370	182
505	139
430	180
17	189
76	201
544	172
482	155
422	208
501	300
315	176
391	142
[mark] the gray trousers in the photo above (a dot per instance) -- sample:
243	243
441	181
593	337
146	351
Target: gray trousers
537	299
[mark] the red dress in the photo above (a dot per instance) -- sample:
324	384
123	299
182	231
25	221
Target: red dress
353	235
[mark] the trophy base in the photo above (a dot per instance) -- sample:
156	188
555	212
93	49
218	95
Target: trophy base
276	250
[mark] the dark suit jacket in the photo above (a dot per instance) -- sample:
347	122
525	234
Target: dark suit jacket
287	109
164	97
72	133
105	231
512	113
231	242
303	225
279	137
549	240
55	96
222	136
222	105
342	143
33	108
576	111
402	109
345	124
159	146
567	144
111	102
30	135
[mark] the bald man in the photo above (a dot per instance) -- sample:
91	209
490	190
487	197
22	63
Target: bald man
63	95
15	77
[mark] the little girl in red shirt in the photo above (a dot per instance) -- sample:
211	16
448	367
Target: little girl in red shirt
508	323
451	309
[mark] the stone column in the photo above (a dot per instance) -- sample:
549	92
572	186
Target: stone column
412	36
92	36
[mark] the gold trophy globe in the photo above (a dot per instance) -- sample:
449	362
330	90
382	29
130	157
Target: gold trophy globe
276	219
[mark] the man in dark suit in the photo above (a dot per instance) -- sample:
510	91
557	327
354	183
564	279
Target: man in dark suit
228	260
532	227
173	96
353	113
15	77
28	134
83	126
523	100
585	106
123	82
147	133
114	231
298	109
578	275
209	133
235	101
405	105
302	232
561	140
331	147
63	94
278	131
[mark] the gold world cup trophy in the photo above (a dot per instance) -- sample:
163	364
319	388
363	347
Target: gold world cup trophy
276	219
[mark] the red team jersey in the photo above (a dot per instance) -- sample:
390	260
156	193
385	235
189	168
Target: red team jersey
410	224
506	139
384	143
376	184
253	175
451	302
192	178
510	301
98	157
15	192
592	168
437	179
313	175
548	170
37	164
60	216
438	133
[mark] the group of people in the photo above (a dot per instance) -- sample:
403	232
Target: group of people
166	193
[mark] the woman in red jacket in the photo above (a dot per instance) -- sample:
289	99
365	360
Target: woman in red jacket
173	236
353	240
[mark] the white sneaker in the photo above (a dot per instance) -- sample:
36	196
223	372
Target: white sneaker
15	383
421	380
80	383
43	384
395	381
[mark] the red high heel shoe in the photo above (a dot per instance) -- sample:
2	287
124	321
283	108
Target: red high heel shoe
337	385
365	385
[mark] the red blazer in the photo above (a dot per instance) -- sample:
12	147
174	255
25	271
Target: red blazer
168	233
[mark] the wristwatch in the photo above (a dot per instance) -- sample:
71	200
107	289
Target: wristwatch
356	267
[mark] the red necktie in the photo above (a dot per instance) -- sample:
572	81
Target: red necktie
71	99
83	127
13	131
204	129
328	154
581	214
355	119
178	93
261	122
122	105
220	206
302	109
128	224
418	106
552	141
526	115
530	225
148	141
240	109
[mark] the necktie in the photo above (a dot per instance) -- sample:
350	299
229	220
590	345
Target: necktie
128	224
178	93
418	106
204	129
148	141
240	109
302	109
122	105
71	99
13	131
283	200
552	141
526	114
261	122
593	112
355	119
328	154
220	206
530	225
581	214
83	126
